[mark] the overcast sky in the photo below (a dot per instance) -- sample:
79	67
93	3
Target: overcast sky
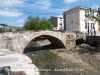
13	12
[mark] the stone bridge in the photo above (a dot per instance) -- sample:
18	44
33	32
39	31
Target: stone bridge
18	41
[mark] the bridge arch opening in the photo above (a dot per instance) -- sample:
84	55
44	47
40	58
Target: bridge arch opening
80	41
94	44
43	42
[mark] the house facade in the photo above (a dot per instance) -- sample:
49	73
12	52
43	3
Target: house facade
75	20
57	22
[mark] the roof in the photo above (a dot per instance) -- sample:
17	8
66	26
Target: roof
79	8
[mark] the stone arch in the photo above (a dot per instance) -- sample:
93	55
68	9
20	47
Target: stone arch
80	41
20	40
57	43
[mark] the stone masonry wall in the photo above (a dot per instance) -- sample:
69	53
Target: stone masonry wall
18	41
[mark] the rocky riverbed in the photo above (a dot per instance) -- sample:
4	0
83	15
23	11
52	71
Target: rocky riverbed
79	60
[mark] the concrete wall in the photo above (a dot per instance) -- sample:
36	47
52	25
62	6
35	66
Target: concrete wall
82	21
72	21
60	21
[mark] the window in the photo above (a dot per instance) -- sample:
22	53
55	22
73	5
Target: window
60	18
61	24
88	25
91	26
86	12
71	21
92	13
85	25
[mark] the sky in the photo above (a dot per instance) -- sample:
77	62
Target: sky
15	12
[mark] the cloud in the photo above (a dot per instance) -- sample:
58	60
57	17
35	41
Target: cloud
17	23
20	22
8	13
70	1
46	4
10	3
96	6
59	11
59	15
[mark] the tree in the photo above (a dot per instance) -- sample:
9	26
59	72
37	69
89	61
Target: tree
97	19
35	23
1	30
44	24
10	30
31	23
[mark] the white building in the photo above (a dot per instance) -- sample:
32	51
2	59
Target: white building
1	26
75	20
57	22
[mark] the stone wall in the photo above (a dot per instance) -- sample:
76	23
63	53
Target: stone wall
93	41
6	43
18	41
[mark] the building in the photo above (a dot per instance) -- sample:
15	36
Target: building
75	20
7	28
57	22
3	25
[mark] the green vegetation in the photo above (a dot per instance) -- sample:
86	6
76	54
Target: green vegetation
19	29
35	23
1	30
44	24
10	30
94	18
31	23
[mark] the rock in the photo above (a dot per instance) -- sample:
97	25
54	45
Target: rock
91	61
18	63
83	45
81	74
77	47
64	63
32	54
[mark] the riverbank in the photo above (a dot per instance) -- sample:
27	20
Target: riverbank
72	61
18	63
